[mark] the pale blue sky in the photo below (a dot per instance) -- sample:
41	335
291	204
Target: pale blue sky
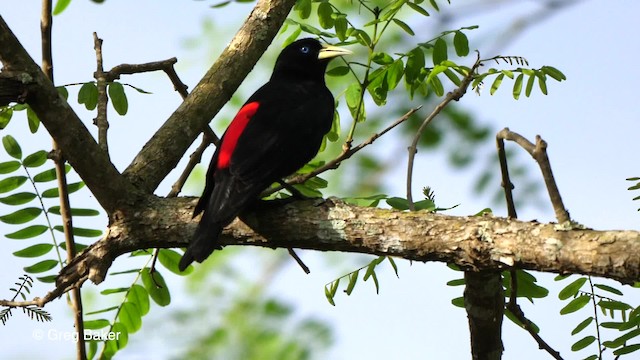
589	121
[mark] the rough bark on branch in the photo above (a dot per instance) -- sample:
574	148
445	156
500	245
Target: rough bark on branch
474	243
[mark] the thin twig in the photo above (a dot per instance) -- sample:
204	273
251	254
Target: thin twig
413	149
507	185
101	83
595	317
304	267
539	153
46	25
513	306
346	154
515	309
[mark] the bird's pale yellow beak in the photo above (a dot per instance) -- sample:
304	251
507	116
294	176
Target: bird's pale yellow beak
329	52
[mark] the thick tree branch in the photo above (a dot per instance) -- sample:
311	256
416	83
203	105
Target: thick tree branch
79	147
479	243
161	154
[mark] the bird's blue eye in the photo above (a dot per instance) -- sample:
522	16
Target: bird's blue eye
305	49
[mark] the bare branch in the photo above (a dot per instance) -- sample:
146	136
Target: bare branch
539	153
413	149
101	83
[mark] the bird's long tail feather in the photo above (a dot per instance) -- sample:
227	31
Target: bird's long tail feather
204	241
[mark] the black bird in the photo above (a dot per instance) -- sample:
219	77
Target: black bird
278	130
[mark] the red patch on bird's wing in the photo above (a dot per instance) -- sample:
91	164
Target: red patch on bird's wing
233	133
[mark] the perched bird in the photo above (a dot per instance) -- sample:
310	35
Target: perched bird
278	130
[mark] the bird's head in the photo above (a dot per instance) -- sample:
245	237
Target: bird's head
306	59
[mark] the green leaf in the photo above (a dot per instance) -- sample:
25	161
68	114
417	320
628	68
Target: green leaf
353	279
542	82
71	188
338	71
461	43
496	83
458	302
36	159
325	18
119	341
398	203
139	296
130	317
572	289
404	26
9	166
32	120
419	9
170	259
415	63
362	37
114	291
156	287
436	85
34	250
609	289
28	232
452	76
456	282
434	5
614	305
21	216
45	176
586	322
63	92
352	97
621	340
5	117
41	267
329	295
118	97
393	265
517	86
61	5
12	147
583	343
96	324
18	198
341	25
303	7
554	73
381	58
527	91
74	212
439	51
49	279
575	304
82	232
102	310
394	74
11	183
626	349
88	95
294	35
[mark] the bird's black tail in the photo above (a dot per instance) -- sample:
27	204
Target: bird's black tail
204	241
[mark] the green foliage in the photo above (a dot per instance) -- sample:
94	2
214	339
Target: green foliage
22	289
602	297
32	219
635	187
331	288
